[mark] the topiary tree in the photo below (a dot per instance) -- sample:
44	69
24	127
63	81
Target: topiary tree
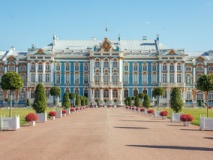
146	102
137	101
157	92
72	96
40	101
82	101
55	91
176	102
77	100
11	81
86	101
129	101
66	100
28	102
141	96
205	84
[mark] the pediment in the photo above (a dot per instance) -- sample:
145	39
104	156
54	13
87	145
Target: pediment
106	46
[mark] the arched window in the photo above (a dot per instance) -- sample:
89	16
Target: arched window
106	93
178	67
77	91
145	67
115	78
199	96
1	96
86	67
135	66
188	69
76	66
210	97
58	66
77	78
126	78
106	63
145	78
106	78
86	93
145	91
154	67
1	68
126	66
135	78
97	93
22	96
126	93
179	77
164	67
171	67
23	76
171	78
97	78
135	92
67	66
115	93
32	69
188	79
199	68
22	68
47	67
97	63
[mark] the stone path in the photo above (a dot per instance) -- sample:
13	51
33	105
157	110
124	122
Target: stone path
107	134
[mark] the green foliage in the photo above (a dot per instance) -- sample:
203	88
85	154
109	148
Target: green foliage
66	100
158	91
176	102
133	98
86	101
129	101
54	102
105	100
11	81
72	95
205	83
200	102
55	91
137	101
82	101
28	102
7	100
141	95
146	102
40	101
96	100
115	100
77	100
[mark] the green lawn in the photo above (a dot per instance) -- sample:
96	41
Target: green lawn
21	111
195	112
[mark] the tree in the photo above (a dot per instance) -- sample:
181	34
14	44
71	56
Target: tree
141	96
66	100
55	91
176	102
28	102
129	101
40	101
82	101
11	81
137	101
86	101
158	91
77	100
146	102
72	96
205	84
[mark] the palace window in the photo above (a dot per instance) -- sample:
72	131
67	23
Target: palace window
97	93
115	78
39	77
106	64
145	79
154	67
115	93
188	97
47	93
23	76
47	78
32	94
86	93
97	78
126	78
77	79
135	78
199	96
40	67
144	91
188	69
97	64
32	77
210	68
86	67
179	78
47	67
135	92
86	79
126	93
67	67
106	93
32	67
58	67
164	67
188	79
135	67
144	67
67	79
22	68
179	67
0	77
11	68
164	78
58	79
22	96
76	66
106	79
171	78
199	68
154	78
210	97
115	64
1	96
1	68
171	67
126	67
76	91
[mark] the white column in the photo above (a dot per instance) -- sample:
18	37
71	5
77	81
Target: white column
28	72
160	71
101	95
168	75
120	95
91	94
205	69
183	72
5	69
184	95
52	72
110	95
43	73
175	73
120	69
102	69
16	68
194	74
36	72
28	93
91	69
110	70
168	95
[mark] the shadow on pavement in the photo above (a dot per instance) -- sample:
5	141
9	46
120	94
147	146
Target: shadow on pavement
174	147
190	129
208	138
131	127
141	121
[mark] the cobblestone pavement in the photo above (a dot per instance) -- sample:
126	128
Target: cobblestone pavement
107	134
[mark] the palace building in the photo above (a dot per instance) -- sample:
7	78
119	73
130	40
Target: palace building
107	70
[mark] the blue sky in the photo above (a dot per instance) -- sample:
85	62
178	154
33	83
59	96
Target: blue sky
184	24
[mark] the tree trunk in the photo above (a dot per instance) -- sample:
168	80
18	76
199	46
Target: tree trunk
11	103
207	105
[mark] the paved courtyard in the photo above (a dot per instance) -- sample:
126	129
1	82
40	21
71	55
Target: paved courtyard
107	134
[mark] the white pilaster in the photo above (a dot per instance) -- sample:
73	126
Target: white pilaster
5	69
160	71
43	73
120	69
102	69
110	70
194	74
16	68
205	69
110	95
28	72
183	72
175	73
52	72
168	75
92	69
101	95
36	72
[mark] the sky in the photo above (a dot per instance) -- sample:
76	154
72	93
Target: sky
186	24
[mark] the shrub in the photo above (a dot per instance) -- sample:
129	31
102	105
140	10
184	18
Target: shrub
64	111
31	117
66	100
142	109
186	117
150	111
52	113
163	113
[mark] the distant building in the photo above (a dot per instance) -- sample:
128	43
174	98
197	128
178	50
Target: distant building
107	70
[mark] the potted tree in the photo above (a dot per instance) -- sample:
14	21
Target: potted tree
146	103
157	92
115	102
72	97
55	91
176	104
66	102
31	118
105	101
141	96
39	104
77	102
52	114
28	103
11	81
97	102
137	102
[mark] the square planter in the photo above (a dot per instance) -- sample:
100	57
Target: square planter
59	114
32	123
64	115
42	117
206	123
52	117
175	117
10	123
68	111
